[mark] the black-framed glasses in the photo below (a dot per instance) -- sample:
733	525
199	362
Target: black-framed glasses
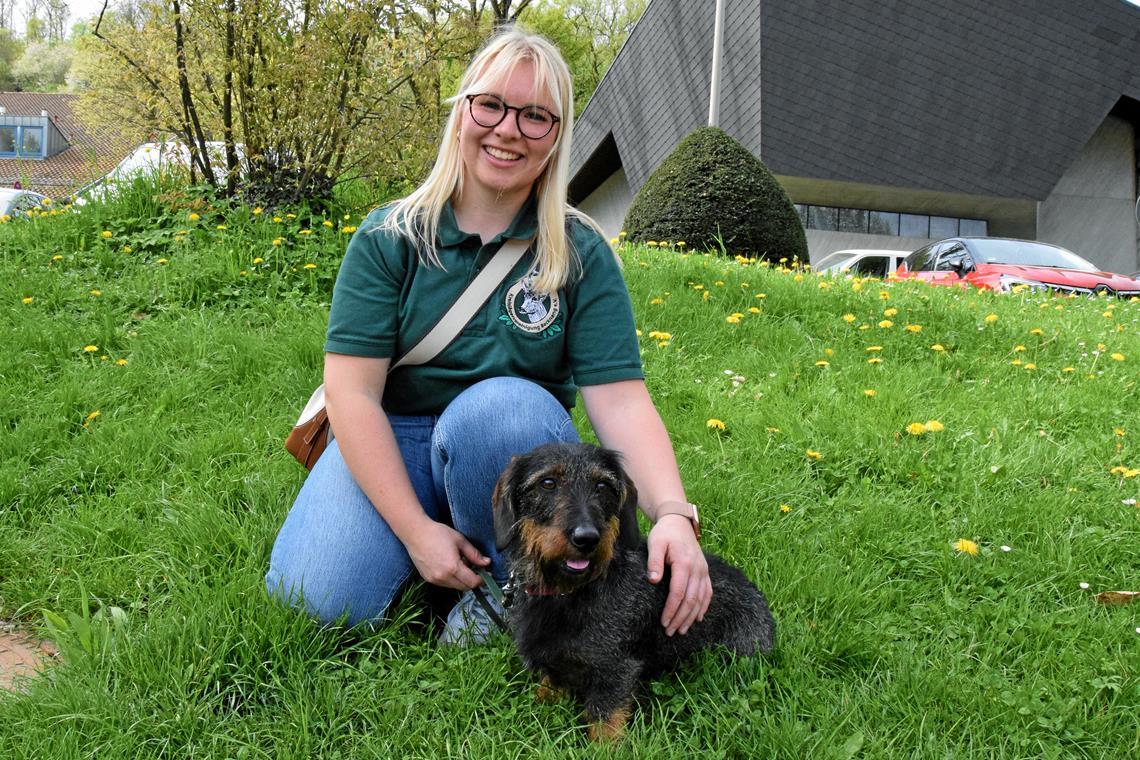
534	122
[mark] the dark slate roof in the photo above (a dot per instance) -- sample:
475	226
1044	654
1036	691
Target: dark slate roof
984	97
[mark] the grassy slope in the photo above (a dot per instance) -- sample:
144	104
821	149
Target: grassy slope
891	642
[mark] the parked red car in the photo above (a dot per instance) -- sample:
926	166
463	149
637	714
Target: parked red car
1003	264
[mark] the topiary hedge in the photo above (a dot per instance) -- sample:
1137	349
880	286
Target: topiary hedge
712	189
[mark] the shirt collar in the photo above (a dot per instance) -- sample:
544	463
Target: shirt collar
524	225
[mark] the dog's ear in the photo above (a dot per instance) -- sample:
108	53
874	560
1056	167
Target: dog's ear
503	506
629	534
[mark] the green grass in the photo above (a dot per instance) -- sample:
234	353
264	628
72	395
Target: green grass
137	538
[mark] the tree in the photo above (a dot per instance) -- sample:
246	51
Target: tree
712	192
10	51
42	66
589	33
312	91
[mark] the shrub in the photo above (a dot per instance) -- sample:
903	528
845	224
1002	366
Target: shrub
711	191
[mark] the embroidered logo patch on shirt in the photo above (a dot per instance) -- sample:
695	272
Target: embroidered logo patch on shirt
529	310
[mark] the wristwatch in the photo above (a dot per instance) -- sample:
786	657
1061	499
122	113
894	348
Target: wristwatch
684	509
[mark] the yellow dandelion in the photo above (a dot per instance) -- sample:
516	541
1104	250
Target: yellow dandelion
884	295
966	546
348	230
1037	331
890	312
27	300
106	234
934	426
221	227
824	285
304	232
761	295
814	456
848	318
732	319
121	362
277	241
310	266
658	335
326	223
1118	432
914	328
1030	366
874	360
1069	369
886	324
991	318
90	349
719	283
1117	357
870	392
714	424
773	429
257	211
798	278
259	260
705	296
161	261
277	219
785	508
874	349
1016	362
916	428
657	301
823	363
698	286
938	347
680	243
753	310
1018	348
193	217
91	417
57	257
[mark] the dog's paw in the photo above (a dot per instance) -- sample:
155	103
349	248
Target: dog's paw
546	693
610	728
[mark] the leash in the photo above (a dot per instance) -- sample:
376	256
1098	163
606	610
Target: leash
496	593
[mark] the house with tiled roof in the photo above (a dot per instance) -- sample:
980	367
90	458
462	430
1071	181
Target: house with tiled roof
892	124
45	147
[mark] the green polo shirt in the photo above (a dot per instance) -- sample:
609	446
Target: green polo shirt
386	299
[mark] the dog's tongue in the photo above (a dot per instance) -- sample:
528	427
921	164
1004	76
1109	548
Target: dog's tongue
577	564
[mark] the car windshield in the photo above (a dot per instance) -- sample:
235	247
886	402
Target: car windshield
1027	254
837	259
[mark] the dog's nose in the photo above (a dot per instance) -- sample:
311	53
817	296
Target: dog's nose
584	538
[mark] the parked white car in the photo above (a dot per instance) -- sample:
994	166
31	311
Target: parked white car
15	202
151	157
865	262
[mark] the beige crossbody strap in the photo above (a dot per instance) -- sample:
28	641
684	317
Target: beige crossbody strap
469	302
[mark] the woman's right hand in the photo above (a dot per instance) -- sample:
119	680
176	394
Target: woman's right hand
443	556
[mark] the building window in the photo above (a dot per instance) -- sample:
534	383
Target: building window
943	227
914	225
852	220
832	219
972	227
882	223
21	142
822	218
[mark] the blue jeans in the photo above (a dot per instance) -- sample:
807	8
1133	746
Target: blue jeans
335	555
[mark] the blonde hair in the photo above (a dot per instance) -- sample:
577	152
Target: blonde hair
416	216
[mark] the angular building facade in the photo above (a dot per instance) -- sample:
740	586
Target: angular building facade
891	124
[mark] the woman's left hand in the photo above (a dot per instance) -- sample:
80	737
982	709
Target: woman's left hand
673	543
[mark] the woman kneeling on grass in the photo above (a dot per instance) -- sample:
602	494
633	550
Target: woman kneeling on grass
419	449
